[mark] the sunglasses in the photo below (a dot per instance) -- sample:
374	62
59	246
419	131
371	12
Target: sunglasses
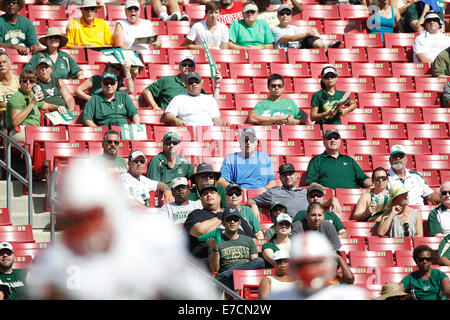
406	229
315	195
432	20
280	261
444	193
141	161
28	81
250	12
207	176
247	139
90	9
109	82
54	37
190	65
116	142
380	178
133	9
285	13
398	156
191	82
276	86
234	193
168	143
330	77
333	138
12	1
235	219
422	259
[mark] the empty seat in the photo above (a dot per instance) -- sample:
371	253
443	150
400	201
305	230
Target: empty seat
307	55
294	70
392	40
320	12
5	219
368	69
417	146
267	56
426	131
386	55
249	277
249	70
347	55
229	56
393	244
359	12
432	242
436	115
378	99
311	132
402	84
359	85
410	69
363	40
16	233
431	84
351	131
440	146
432	162
363	116
385	131
371	258
350	196
371	147
401	115
342	26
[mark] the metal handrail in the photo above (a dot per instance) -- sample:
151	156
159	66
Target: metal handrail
10	171
53	202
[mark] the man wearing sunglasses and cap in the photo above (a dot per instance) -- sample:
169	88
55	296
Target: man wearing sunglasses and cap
136	186
160	93
193	108
110	107
414	15
431	41
332	169
168	164
16	279
16	31
419	189
206	175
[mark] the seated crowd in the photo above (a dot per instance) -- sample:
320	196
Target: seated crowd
200	198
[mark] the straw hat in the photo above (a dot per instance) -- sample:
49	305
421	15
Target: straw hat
54	31
391	289
396	189
89	4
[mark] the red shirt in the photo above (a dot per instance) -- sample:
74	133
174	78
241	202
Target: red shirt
229	15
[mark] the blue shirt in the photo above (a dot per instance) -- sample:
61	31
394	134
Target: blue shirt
249	173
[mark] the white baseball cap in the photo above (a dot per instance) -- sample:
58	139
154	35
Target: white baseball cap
132	3
187	57
180	181
6	245
281	254
397	149
284	217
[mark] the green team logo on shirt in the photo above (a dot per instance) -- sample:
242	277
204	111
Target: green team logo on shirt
14	36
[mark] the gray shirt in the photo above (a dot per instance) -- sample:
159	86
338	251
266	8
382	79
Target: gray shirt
325	227
446	95
294	200
279	32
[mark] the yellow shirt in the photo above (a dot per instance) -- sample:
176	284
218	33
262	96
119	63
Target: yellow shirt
80	34
6	91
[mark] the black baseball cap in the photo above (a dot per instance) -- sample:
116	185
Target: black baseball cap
208	187
230	212
286	167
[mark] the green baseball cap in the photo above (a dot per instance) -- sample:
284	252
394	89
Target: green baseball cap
43	59
172	136
109	75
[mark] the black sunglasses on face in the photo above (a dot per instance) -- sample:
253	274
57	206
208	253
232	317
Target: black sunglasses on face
422	259
276	86
444	193
168	143
90	9
109	82
113	141
191	82
315	195
330	76
235	219
247	139
133	9
384	178
285	13
190	65
206	175
28	80
141	161
234	193
333	138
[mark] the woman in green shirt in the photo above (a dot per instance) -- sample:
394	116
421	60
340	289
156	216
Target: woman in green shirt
324	103
64	66
426	283
280	241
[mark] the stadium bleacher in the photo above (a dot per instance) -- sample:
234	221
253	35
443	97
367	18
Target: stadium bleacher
398	100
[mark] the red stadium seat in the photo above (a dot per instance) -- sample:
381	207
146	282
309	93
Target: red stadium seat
149	148
393	244
310	132
401	115
418	99
300	163
344	70
234	117
367	69
249	277
268	132
195	11
16	233
410	69
386	55
354	12
297	70
281	148
426	131
56	152
5	218
236	85
229	55
350	196
150	117
178	27
250	70
91	70
225	147
46	12
216	162
370	147
432	162
385	131
356	244
432	242
378	99
155	56
197	149
347	55
248	100
404	84
343	26
307	55
159	27
157	71
417	146
431	84
358	85
382	160
305	25
363	40
172	41
404	258
40	26
392	274
204	70
307	85
351	131
440	146
392	40
363	116
267	56
86	133
435	115
320	12
60	24
371	258
363	275
22	262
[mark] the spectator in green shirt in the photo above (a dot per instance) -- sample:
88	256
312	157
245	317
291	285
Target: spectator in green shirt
206	175
250	32
332	169
168	164
111	144
426	283
326	104
444	252
110	107
439	217
275	109
16	279
16	31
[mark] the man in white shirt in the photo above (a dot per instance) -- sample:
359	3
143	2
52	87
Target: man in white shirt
136	186
178	210
193	108
419	189
431	41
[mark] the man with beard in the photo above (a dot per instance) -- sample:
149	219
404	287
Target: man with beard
15	278
111	144
419	190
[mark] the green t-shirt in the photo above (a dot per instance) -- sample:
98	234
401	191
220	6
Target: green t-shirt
234	252
285	107
328	216
115	165
341	172
244	35
102	112
425	289
166	88
270	245
19	101
324	101
52	92
64	67
21	33
434	224
444	248
195	195
159	170
248	215
16	282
